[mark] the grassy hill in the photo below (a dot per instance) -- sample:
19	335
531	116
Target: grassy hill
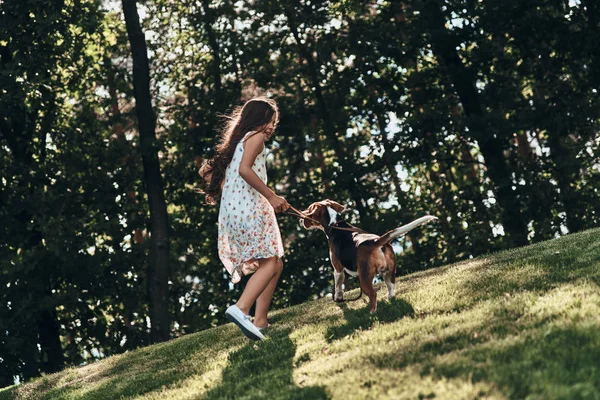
524	323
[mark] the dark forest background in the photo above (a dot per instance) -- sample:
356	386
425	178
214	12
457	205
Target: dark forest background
482	112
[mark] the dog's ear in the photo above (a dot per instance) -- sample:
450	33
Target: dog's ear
310	211
335	205
306	223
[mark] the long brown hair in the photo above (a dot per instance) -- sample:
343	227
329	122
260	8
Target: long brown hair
255	114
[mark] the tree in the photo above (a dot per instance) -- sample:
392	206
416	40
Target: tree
158	271
491	141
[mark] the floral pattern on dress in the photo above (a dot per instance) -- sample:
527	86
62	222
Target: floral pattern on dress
248	227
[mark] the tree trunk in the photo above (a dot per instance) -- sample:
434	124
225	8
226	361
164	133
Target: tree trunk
593	14
567	169
208	20
49	338
29	358
19	134
314	130
158	271
567	166
115	117
444	46
524	148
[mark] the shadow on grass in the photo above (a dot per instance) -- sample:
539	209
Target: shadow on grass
557	363
7	393
387	311
537	268
565	258
143	371
264	370
545	358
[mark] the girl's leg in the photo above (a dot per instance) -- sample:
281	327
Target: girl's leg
268	268
263	302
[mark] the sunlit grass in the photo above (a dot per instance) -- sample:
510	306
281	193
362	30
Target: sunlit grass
524	323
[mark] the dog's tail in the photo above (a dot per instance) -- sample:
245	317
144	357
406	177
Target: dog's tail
404	229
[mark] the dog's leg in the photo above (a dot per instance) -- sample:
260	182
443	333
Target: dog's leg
339	289
365	278
390	274
389	282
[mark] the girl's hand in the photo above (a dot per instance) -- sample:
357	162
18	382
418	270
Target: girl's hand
278	203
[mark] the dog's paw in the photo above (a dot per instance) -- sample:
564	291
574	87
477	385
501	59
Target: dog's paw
338	298
391	293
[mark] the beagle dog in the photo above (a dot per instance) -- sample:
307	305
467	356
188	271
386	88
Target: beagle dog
356	252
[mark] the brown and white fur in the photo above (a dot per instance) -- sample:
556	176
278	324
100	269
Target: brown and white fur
358	253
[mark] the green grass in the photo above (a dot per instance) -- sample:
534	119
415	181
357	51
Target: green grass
519	324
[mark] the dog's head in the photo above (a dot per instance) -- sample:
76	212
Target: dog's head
324	211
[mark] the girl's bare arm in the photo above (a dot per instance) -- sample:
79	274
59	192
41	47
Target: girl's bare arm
252	147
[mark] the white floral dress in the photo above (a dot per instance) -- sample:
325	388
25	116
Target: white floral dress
248	227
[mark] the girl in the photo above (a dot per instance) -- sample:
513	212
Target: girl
249	239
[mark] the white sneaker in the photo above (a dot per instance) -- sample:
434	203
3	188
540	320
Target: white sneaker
237	316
